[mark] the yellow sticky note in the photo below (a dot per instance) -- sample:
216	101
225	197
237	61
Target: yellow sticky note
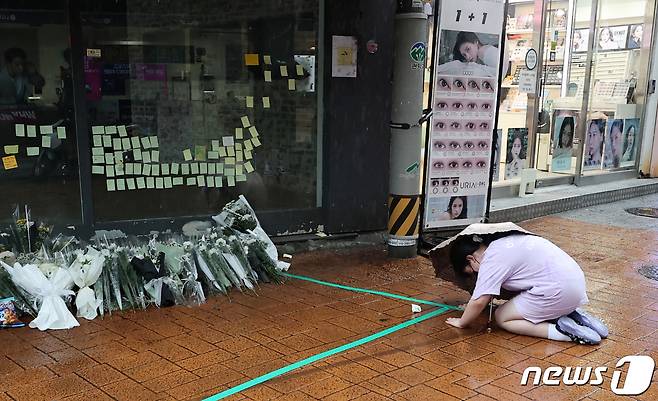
177	181
150	182
98	130
9	162
213	155
230	151
268	76
250	102
248	167
200	152
222	151
20	129
255	141
267	59
185	169
137	154
238	169
33	151
300	69
284	70
45	141
146	169
253	131
238	133
248	155
46	129
107	141
31	131
240	178
266	102
122	130
111	186
291	84
245	121
231	181
218	182
134	141
141	183
230	161
159	183
251	59
238	155
203	168
168	183
11	149
125	143
212	168
201	181
121	184
247	145
344	56
194	168
111	129
130	182
215	145
187	155
61	132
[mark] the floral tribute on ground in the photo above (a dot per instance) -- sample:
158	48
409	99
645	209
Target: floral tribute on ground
49	277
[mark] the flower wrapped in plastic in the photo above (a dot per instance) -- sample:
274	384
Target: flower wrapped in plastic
48	285
192	289
85	271
238	216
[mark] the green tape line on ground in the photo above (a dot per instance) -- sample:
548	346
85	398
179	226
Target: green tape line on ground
326	354
382	293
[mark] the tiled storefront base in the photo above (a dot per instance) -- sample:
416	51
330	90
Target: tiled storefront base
559	199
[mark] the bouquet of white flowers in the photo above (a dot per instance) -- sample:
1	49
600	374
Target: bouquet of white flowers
47	284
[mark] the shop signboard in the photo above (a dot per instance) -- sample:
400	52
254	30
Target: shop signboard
464	104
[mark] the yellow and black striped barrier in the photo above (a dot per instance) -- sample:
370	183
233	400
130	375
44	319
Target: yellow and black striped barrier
403	217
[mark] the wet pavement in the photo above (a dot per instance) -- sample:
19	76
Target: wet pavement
183	353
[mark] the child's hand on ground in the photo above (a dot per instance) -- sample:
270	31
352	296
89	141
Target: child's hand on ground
455	322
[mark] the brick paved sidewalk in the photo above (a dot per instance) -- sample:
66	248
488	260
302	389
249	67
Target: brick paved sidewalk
188	353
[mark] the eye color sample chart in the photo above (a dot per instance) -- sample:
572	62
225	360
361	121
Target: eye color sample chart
464	105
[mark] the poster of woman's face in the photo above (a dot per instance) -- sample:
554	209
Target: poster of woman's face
563	143
594	139
629	149
460	207
635	36
517	147
463	52
580	40
614	143
613	37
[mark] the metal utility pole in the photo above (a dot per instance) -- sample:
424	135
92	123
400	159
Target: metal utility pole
410	53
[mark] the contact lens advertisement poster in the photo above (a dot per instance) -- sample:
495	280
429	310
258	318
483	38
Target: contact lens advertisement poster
464	103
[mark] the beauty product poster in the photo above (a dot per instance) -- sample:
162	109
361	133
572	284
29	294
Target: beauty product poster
464	97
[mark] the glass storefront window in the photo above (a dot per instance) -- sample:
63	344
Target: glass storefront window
192	103
607	136
36	113
619	75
